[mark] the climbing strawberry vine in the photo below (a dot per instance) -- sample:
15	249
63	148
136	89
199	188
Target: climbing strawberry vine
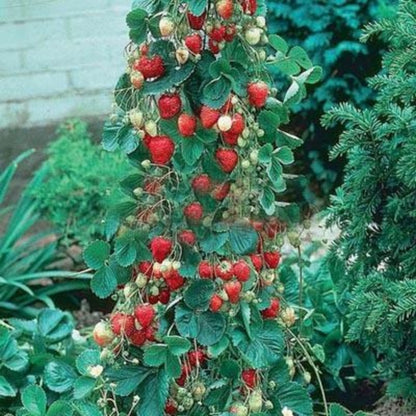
199	324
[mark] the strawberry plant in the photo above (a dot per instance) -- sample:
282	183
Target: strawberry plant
196	329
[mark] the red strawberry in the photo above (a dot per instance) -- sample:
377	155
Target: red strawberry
217	34
186	370
103	334
250	378
257	225
221	191
174	280
238	125
153	299
171	408
233	290
224	270
225	8
201	184
187	237
216	303
149	333
196	22
272	259
186	125
161	149
273	227
214	47
249	6
241	271
257	261
206	270
122	324
150	67
230	138
227	159
164	296
169	105
197	358
209	116
144	314
138	338
145	267
257	93
160	247
194	43
272	311
230	33
194	212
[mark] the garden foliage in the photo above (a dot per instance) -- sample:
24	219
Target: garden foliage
329	31
376	207
194	270
80	183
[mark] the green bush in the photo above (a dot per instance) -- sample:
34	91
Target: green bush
376	207
329	30
80	183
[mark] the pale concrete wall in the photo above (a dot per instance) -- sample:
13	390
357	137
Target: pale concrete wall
59	59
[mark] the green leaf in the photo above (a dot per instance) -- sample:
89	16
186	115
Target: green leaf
34	400
104	282
219	397
230	369
59	376
294	397
217	349
267	200
265	153
301	57
126	378
83	386
87	409
275	170
155	355
136	21
293	93
214	242
111	131
278	43
173	365
285	155
186	322
216	92
192	150
60	408
96	254
197	7
6	389
177	345
128	140
211	328
337	410
243	238
54	325
199	294
87	359
153	394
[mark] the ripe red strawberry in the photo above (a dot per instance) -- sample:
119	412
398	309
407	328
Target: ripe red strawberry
250	378
196	22
160	247
238	125
103	334
153	299
273	227
257	93
197	358
194	43
257	261
209	116
224	270
227	159
169	105
225	8
186	125
217	34
216	303
174	280
187	237
257	225
144	314
145	267
122	324
201	184
241	270
233	290
249	6
221	191
171	408
230	138
161	149
272	259
164	296
272	311
214	46
206	270
230	33
149	333
138	338
150	67
194	212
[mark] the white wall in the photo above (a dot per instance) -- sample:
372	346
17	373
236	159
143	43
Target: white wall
59	59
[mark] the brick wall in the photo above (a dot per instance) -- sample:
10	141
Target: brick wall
59	59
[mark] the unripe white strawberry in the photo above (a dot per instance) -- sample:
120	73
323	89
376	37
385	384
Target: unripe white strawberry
198	391
182	55
102	333
254	157
138	191
157	268
261	21
286	411
245	164
238	409
151	127
225	123
136	79
307	377
234	100
141	280
176	265
241	142
246	133
154	291
253	35
129	289
262	55
136	118
255	402
268	405
146	164
166	26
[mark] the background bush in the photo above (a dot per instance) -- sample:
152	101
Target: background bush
329	30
